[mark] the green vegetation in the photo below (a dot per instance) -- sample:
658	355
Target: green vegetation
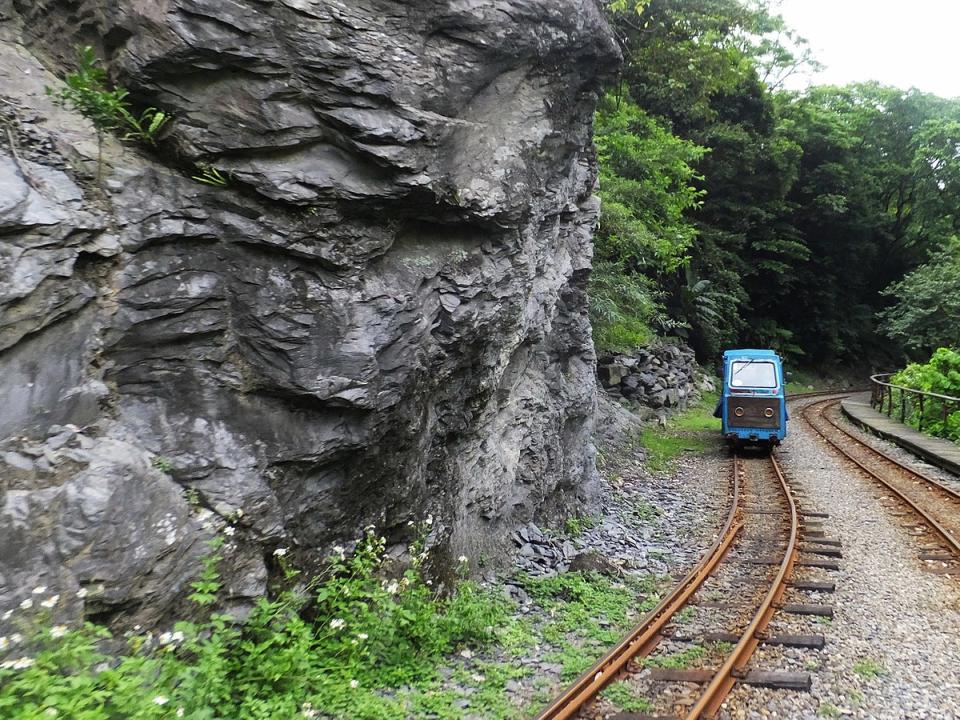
87	90
868	668
586	613
828	711
940	375
736	213
644	510
928	303
645	185
342	644
801	382
161	463
625	697
209	175
694	430
576	526
362	641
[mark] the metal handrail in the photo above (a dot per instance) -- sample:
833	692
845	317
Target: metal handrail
882	392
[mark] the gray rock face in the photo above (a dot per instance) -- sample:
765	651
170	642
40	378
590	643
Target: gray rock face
381	315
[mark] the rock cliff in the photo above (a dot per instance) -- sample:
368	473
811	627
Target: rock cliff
380	316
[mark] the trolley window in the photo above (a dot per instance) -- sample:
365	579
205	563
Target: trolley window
753	373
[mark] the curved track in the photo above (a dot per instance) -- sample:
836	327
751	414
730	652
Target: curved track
936	503
644	637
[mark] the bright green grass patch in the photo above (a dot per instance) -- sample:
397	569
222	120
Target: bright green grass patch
694	430
801	382
868	668
625	697
576	526
587	613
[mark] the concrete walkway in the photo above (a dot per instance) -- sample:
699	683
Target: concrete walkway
936	451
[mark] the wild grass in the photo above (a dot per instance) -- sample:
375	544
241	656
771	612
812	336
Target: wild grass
694	430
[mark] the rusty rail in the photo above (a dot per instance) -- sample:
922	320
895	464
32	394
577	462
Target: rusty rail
881	393
736	663
644	637
951	541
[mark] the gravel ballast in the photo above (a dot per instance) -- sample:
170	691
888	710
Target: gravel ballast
893	647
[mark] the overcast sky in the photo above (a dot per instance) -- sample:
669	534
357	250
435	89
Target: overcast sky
906	43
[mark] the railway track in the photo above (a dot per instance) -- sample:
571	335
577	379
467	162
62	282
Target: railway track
764	518
937	505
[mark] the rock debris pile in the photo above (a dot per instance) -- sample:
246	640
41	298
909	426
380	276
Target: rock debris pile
662	376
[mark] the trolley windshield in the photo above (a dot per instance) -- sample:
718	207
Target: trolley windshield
753	374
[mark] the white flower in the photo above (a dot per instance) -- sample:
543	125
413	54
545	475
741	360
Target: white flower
339	552
58	631
4	643
51	601
239	513
462	559
337	623
409	523
7	615
179	712
23	663
229	530
307	710
392	587
16	639
40	590
354	684
362	636
280	552
429	520
161	700
51	712
82	593
429	582
165	638
26	604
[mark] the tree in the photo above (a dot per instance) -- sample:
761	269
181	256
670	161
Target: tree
928	304
646	180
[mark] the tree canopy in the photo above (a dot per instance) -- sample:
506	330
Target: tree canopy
737	212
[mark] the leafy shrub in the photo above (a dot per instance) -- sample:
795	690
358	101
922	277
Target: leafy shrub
336	644
88	91
646	184
940	375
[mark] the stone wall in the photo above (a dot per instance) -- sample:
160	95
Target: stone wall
381	315
660	378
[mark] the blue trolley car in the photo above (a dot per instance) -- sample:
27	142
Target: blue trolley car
753	407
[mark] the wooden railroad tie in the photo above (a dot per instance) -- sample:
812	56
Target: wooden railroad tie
815	642
812	585
802	562
825	551
800	609
762	678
